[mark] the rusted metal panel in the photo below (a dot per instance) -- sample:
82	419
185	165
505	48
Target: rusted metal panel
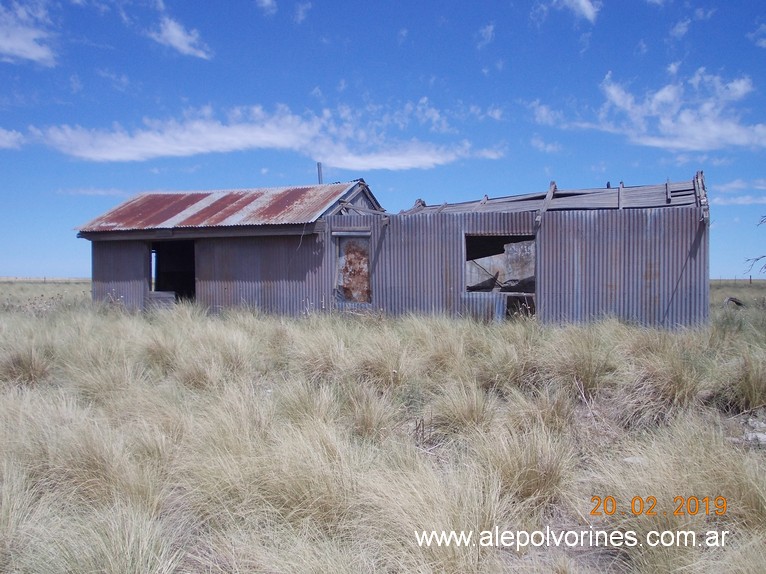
121	273
647	266
265	206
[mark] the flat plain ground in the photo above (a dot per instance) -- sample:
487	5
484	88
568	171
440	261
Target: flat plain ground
183	441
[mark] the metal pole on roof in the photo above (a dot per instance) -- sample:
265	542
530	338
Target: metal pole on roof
319	172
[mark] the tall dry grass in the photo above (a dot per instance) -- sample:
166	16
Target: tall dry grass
182	441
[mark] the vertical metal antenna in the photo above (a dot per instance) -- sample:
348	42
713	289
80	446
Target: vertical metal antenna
319	172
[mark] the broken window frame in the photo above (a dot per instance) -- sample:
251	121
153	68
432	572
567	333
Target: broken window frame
482	245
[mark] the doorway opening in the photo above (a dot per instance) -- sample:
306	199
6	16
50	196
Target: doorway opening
173	268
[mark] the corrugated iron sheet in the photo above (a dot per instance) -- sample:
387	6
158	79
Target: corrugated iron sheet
645	266
266	206
643	196
286	274
417	262
121	273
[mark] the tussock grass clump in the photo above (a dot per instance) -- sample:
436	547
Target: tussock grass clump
531	465
582	357
187	441
461	408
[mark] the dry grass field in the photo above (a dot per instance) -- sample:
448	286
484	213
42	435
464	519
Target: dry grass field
180	441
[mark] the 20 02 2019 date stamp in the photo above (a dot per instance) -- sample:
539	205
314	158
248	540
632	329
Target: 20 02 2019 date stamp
648	506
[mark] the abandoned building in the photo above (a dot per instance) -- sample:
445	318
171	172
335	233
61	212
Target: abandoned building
637	253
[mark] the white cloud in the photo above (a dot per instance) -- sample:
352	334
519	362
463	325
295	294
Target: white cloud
174	35
759	36
698	114
587	9
495	112
24	34
673	68
741	184
681	28
301	11
94	191
119	82
740	200
10	139
344	138
544	115
656	2
486	35
269	7
539	144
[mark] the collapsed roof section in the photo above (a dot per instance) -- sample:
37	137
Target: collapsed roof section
679	194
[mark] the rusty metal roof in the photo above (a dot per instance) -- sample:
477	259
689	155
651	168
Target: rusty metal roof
262	206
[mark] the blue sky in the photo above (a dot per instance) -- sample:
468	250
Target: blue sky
445	101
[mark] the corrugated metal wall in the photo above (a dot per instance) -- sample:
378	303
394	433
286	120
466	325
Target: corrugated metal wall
279	274
121	272
649	266
417	261
643	265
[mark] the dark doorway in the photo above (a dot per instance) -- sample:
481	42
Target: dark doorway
174	268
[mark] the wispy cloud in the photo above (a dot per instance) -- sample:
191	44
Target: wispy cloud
681	28
94	192
740	185
186	42
10	139
541	145
696	114
759	36
24	34
587	9
740	200
344	138
486	35
119	82
301	11
545	115
269	7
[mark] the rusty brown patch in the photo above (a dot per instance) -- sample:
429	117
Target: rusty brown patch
355	272
218	211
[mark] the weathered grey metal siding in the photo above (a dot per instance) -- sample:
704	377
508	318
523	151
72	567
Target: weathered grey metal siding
644	265
281	274
417	261
121	272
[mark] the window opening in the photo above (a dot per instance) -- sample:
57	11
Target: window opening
504	264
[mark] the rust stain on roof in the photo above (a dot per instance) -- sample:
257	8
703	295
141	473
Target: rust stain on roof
221	209
263	206
289	200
